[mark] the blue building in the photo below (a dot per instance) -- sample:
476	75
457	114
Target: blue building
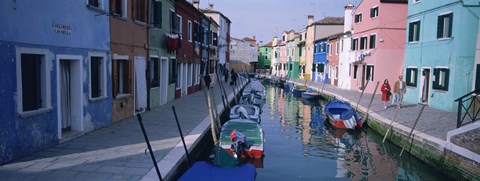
54	80
320	62
440	50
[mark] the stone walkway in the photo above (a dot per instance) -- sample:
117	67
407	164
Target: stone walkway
433	122
116	152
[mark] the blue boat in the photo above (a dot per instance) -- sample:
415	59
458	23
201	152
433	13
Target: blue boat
204	171
310	94
288	86
297	90
341	115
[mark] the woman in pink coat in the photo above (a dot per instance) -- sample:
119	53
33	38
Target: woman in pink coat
385	93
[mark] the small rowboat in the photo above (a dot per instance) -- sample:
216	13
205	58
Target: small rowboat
246	111
242	138
341	115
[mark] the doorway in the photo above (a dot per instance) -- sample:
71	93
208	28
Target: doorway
164	80
69	93
425	86
140	84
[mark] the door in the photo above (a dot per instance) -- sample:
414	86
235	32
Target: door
164	81
477	78
140	85
184	79
69	93
425	86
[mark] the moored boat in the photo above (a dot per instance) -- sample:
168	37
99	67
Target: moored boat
310	94
243	138
254	87
341	115
246	111
298	89
204	171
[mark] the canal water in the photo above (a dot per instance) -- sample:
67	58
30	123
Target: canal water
300	146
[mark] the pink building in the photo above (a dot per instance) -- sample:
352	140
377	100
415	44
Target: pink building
378	42
284	53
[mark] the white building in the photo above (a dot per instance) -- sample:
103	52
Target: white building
347	56
243	52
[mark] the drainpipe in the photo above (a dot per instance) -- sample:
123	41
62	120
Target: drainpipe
148	54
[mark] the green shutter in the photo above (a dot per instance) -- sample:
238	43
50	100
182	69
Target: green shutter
450	25
417	37
408	77
410	32
415	78
436	74
447	79
440	27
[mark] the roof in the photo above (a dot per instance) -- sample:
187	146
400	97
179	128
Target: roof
330	21
248	39
268	44
394	1
216	12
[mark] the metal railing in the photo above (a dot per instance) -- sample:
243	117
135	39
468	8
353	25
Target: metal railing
472	110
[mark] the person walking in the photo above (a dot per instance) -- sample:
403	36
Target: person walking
400	88
385	93
234	77
226	74
208	80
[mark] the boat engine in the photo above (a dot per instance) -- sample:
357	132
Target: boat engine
239	143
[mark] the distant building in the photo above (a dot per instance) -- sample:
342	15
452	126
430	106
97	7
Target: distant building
242	54
292	55
265	56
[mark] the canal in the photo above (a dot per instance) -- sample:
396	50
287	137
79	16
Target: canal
299	146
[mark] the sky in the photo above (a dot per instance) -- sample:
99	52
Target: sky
267	18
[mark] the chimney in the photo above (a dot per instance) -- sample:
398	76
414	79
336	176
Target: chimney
310	20
210	6
274	41
196	3
348	17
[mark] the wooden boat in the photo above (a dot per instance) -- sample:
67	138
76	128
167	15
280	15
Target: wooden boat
254	87
202	170
253	99
242	138
310	94
298	89
245	111
341	115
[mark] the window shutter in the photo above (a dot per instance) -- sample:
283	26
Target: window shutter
127	77
440	27
408	76
417	37
313	67
436	73
410	32
115	78
371	12
447	79
450	25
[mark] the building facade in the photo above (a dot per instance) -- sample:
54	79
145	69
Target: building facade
333	59
439	54
265	56
55	81
347	56
319	67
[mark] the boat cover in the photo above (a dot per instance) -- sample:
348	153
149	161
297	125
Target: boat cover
204	171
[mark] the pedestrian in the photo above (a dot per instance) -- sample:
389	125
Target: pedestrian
400	88
385	93
208	80
234	77
226	74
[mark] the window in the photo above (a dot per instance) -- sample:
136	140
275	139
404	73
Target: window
157	13
372	41
95	4
363	43
140	10
301	37
98	77
300	52
179	71
337	48
172	77
358	18
215	39
330	49
122	77
190	74
189	31
369	76
411	79
440	78
283	64
154	72
321	67
355	70
173	22
32	82
355	44
414	31
444	26
374	12
179	23
290	67
119	8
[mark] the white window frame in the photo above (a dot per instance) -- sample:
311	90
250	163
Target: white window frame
121	60
102	75
376	14
337	47
370	39
45	79
414	33
189	74
360	19
446	27
179	26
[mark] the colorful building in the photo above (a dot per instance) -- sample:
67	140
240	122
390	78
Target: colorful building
439	55
333	58
265	56
282	58
322	29
55	79
309	48
292	55
302	53
378	41
320	60
275	65
347	56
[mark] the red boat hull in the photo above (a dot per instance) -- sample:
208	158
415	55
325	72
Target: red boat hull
249	154
339	124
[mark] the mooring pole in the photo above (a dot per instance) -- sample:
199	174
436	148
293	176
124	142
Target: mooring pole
181	136
139	117
411	131
323	85
212	122
217	117
222	91
371	100
360	98
391	125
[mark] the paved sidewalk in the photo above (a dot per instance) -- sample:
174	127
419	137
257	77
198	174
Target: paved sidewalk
116	152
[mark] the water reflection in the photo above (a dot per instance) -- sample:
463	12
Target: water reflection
300	145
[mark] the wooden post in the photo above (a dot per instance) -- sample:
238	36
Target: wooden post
234	93
212	123
391	125
371	100
413	127
224	102
217	117
360	98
